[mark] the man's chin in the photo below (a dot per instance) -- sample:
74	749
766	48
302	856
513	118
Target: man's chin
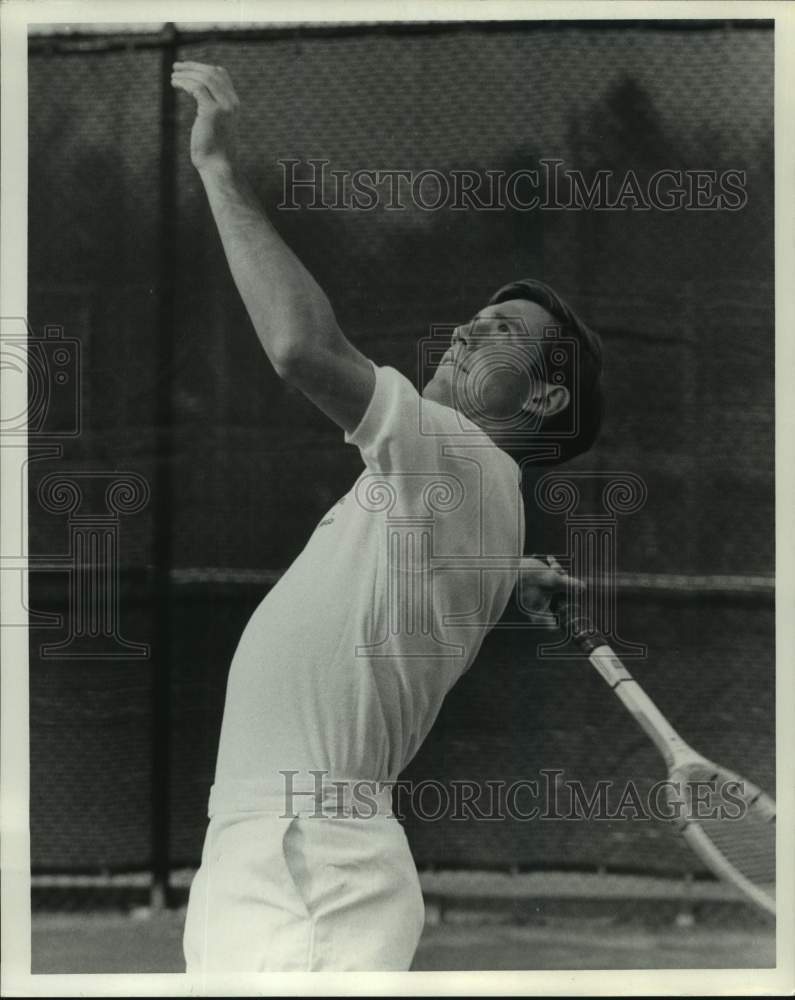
434	391
440	390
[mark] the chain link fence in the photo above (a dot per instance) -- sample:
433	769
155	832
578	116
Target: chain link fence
124	257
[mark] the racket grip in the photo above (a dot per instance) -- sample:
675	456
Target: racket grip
579	627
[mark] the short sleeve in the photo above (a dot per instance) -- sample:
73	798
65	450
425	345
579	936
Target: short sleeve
434	460
401	432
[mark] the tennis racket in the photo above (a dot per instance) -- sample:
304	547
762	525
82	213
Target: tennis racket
734	832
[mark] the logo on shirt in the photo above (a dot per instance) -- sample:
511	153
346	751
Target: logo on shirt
332	514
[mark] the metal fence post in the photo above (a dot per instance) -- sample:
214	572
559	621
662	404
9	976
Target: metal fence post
163	492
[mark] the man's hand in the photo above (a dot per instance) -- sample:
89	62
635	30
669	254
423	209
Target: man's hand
540	579
212	140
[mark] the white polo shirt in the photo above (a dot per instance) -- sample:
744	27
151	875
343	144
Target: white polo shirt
344	665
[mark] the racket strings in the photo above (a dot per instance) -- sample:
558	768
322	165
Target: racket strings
738	824
748	844
735	823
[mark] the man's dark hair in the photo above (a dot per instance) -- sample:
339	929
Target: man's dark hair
588	389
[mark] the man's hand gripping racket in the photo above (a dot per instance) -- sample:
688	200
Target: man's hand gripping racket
733	830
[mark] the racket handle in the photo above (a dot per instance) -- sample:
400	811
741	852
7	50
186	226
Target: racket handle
578	626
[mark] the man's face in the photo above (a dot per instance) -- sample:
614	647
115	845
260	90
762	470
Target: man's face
491	371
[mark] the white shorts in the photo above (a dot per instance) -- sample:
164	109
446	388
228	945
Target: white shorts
306	893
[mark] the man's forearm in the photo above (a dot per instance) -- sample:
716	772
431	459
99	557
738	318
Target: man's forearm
289	310
291	314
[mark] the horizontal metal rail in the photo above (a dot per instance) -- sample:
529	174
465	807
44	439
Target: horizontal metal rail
48	572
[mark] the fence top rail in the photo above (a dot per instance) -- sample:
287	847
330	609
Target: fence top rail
64	40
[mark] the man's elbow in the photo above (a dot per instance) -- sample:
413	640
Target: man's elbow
287	359
294	357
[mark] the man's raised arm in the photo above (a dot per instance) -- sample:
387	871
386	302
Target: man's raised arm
293	317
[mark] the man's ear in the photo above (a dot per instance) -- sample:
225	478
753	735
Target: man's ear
547	400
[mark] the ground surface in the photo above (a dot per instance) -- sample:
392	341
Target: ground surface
475	920
91	943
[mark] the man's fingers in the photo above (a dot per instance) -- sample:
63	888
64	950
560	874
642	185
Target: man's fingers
547	575
554	583
560	582
567	583
196	89
214	78
192	64
193	74
218	97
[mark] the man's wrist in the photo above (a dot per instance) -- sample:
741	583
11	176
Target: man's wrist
217	169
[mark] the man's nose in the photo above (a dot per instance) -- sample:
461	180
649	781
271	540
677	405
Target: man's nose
461	334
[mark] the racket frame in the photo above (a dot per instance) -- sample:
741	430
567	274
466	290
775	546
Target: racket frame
678	755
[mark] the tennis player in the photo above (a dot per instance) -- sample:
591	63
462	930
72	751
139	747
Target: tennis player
343	667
